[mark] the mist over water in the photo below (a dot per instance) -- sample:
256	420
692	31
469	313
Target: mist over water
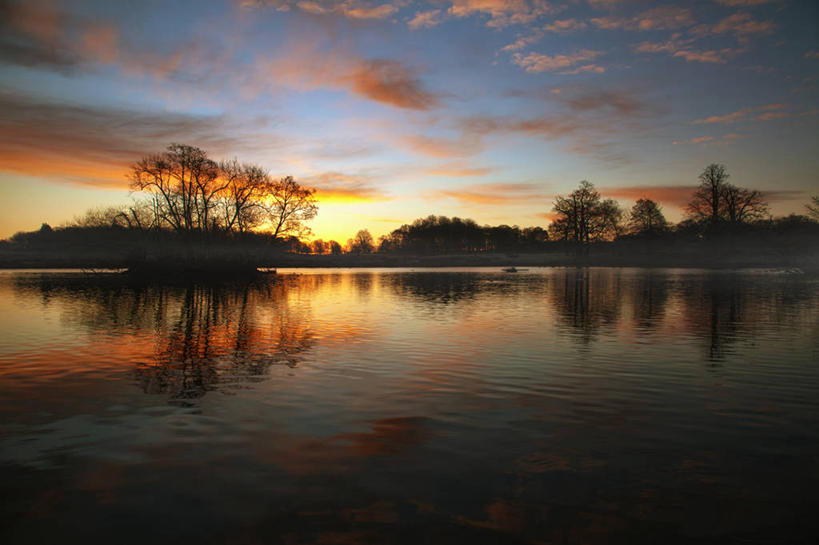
399	406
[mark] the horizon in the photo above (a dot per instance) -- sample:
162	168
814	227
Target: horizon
397	110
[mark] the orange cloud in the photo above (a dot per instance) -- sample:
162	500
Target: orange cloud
444	148
565	26
343	188
772	115
425	19
95	145
548	216
502	12
523	41
100	42
733	117
678	196
38	19
457	171
659	18
389	82
381	80
351	9
677	47
537	62
497	193
742	24
744	3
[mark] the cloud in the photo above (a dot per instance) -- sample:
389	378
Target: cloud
523	42
502	13
710	56
538	62
492	194
733	117
457	170
95	145
784	195
548	216
390	82
695	140
592	122
744	3
351	9
385	81
768	116
339	187
565	26
466	145
674	195
659	18
623	103
680	48
742	25
38	34
425	19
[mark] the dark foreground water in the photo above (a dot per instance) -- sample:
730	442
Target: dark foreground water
547	406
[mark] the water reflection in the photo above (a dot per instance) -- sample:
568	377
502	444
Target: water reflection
586	300
560	405
203	336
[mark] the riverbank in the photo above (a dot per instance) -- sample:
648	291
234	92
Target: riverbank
595	258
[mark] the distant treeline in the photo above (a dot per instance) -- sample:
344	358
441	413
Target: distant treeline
197	207
717	211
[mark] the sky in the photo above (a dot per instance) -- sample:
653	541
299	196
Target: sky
394	110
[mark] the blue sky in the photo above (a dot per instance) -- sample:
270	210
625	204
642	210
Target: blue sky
395	110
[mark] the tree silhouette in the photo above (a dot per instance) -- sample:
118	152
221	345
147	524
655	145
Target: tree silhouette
318	247
192	193
716	200
291	206
583	217
335	247
813	207
647	217
362	243
185	183
246	185
741	205
707	199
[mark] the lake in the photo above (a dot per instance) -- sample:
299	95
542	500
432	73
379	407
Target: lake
400	406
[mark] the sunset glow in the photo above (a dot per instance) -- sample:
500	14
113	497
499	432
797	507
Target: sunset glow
483	109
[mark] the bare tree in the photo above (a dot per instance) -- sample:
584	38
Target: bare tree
707	200
583	217
647	217
191	192
741	205
245	187
813	207
362	243
185	183
291	204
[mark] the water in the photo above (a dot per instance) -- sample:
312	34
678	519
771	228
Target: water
398	406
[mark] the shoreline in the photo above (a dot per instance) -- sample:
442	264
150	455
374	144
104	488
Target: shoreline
500	260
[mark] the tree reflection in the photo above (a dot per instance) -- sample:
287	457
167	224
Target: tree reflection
724	309
205	336
445	288
586	299
650	298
